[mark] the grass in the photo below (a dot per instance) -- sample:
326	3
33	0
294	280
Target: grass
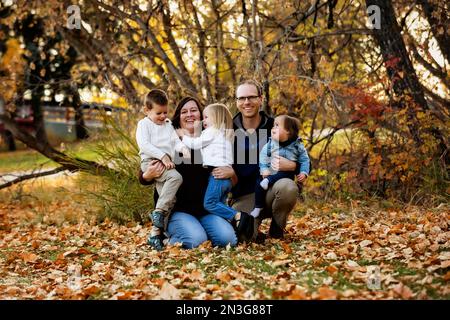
24	160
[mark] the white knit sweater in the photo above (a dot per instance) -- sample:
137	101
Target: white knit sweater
216	149
155	141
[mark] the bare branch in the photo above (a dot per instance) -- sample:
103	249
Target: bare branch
32	176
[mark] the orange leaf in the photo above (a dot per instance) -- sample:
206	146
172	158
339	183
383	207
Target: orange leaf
297	294
35	244
446	277
326	293
318	232
287	248
91	290
331	269
87	262
29	257
124	295
223	276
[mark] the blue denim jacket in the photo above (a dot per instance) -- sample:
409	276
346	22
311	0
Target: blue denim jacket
295	151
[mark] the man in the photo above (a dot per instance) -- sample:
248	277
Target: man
252	130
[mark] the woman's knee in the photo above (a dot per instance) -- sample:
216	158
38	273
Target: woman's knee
228	237
219	231
194	240
186	229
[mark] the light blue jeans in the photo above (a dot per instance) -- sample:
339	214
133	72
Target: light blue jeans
192	231
215	197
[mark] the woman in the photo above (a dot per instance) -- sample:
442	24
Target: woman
189	223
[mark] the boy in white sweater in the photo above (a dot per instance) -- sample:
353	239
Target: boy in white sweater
157	139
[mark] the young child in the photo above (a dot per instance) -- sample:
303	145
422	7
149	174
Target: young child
285	143
215	144
157	139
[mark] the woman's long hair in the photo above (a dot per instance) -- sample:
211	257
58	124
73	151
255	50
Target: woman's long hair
180	105
221	118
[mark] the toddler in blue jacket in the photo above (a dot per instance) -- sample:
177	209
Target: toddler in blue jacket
285	143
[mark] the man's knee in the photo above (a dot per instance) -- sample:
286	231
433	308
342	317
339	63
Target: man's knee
286	190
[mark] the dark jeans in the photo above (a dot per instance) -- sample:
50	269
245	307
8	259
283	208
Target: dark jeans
260	193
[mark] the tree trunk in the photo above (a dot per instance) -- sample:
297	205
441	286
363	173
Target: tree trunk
80	128
38	115
439	24
400	70
398	65
9	140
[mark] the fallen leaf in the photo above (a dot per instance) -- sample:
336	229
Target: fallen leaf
331	269
169	292
297	294
325	293
280	263
28	257
365	243
403	291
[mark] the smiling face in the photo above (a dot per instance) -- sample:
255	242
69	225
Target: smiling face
248	100
158	113
279	133
188	115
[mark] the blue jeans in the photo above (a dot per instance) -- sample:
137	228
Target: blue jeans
215	197
192	231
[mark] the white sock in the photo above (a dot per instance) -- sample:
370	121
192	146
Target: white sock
255	213
264	184
155	231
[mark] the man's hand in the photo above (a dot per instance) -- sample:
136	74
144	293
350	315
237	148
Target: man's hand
186	153
301	177
167	162
223	172
154	170
282	164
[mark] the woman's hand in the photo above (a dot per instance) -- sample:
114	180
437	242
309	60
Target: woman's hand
225	173
154	170
282	164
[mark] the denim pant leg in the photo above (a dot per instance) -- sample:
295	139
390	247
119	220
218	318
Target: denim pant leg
219	230
215	197
186	229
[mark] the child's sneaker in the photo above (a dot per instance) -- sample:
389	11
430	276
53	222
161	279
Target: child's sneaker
155	242
157	218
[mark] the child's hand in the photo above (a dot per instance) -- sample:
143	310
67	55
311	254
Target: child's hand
265	173
186	153
167	162
301	177
197	128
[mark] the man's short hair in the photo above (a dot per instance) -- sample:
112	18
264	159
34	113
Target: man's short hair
253	83
156	96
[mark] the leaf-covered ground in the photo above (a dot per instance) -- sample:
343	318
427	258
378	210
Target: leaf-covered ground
52	248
